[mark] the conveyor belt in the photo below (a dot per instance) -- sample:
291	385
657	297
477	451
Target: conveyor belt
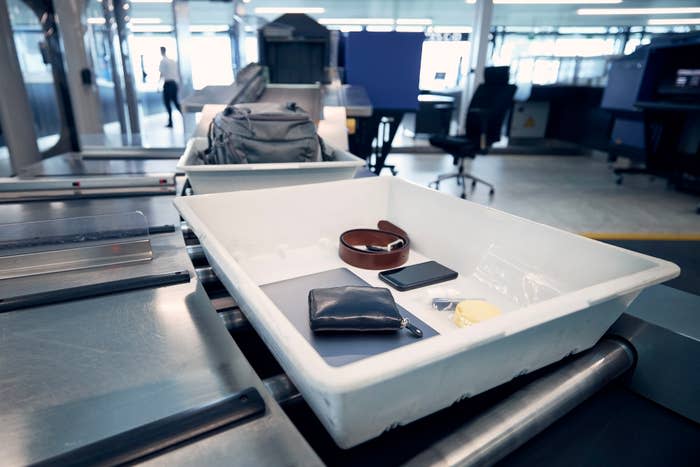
146	355
511	423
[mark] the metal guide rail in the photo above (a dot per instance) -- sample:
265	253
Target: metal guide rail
43	262
142	441
15	190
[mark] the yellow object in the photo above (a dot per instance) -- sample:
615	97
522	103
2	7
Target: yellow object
661	236
469	312
351	123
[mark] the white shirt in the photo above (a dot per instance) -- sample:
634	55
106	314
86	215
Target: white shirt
168	70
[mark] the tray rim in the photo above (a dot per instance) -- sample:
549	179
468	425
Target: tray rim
183	164
288	345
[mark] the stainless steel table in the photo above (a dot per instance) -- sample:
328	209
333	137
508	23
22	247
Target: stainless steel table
170	264
159	210
73	373
130	152
76	164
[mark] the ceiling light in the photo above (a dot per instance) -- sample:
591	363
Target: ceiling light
415	21
384	21
637	11
284	9
209	28
375	28
152	28
151	1
673	21
582	30
346	27
551	2
410	28
96	20
146	20
452	29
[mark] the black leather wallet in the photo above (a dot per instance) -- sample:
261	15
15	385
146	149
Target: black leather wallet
356	309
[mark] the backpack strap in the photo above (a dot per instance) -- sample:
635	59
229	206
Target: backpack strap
204	155
326	154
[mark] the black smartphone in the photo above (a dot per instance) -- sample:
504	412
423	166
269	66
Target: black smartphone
417	275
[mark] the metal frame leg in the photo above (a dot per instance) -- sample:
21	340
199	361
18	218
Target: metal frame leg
461	177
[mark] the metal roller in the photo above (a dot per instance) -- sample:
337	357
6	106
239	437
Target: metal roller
223	303
510	424
282	389
234	319
196	253
186	230
206	276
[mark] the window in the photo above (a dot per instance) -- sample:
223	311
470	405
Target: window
212	64
38	75
443	64
568	56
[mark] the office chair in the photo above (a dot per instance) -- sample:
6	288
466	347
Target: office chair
487	111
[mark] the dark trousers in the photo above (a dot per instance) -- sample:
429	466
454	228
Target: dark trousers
170	97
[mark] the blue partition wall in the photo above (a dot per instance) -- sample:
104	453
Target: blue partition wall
387	65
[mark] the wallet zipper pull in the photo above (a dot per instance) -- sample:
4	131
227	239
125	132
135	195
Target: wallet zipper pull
412	328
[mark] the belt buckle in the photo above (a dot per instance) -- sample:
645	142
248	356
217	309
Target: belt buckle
398	243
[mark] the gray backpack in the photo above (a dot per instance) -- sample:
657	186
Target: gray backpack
263	133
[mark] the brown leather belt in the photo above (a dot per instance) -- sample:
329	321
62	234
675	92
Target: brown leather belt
385	248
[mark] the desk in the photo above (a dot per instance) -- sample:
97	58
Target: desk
672	141
434	114
663	84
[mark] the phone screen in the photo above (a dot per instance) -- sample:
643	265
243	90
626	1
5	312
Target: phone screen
418	275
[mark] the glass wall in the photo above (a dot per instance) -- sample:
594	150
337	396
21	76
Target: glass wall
5	166
212	64
105	64
554	55
145	53
568	55
33	58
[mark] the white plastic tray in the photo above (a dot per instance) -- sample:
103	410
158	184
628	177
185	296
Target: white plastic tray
559	292
234	177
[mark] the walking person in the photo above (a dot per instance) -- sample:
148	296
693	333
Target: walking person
169	76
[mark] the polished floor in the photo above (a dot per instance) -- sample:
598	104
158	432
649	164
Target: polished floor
154	134
576	193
